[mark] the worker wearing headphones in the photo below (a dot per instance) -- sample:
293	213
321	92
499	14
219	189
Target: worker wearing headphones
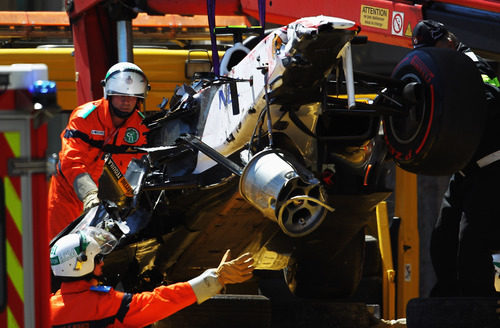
77	259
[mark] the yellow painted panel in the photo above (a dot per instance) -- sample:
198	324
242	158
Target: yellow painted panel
388	281
163	67
60	64
406	207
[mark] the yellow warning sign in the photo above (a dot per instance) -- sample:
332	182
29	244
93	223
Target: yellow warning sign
374	17
408	31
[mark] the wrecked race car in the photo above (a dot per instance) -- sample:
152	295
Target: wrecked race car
278	156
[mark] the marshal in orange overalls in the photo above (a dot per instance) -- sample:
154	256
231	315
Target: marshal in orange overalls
89	135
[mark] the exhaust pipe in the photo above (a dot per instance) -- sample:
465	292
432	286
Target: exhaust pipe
284	191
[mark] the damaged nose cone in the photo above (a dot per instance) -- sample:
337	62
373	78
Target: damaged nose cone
284	192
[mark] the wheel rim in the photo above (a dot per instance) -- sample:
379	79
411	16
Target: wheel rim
407	129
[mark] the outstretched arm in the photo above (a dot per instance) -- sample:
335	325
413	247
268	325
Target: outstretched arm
210	282
148	307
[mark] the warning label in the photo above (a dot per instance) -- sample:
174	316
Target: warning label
408	31
374	17
397	22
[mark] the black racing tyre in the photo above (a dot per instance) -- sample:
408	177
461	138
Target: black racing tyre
443	128
452	312
325	273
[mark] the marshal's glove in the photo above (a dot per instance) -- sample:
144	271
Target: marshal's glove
86	190
90	200
235	271
210	282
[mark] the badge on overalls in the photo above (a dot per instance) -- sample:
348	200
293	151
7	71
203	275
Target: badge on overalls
131	136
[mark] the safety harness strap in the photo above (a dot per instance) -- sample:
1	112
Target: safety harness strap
107	148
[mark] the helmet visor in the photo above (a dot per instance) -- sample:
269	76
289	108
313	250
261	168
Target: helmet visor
126	83
107	242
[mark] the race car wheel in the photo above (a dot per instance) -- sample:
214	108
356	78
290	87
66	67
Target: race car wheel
442	127
327	274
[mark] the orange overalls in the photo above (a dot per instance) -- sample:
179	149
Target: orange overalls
89	135
79	304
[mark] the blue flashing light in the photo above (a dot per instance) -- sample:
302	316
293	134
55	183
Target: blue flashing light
41	87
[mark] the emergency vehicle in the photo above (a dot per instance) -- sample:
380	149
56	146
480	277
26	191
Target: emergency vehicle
25	100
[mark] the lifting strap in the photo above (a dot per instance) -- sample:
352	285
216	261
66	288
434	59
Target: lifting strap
262	15
211	27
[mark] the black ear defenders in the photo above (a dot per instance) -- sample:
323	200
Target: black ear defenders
82	257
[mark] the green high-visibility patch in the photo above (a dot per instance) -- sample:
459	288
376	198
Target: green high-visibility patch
54	260
89	108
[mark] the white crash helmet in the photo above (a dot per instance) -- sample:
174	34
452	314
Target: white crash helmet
125	79
73	255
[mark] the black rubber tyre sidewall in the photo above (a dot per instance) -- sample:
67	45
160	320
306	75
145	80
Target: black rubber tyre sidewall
328	274
453	113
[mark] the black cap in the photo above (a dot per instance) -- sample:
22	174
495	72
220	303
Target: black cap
427	32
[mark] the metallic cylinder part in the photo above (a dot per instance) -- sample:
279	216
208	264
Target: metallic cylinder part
274	186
